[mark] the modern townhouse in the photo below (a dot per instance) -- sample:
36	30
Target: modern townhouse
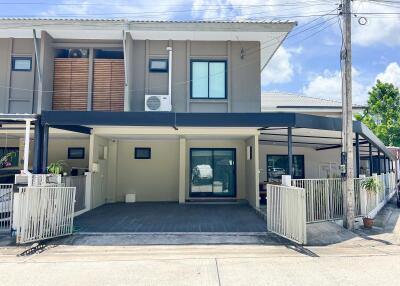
162	111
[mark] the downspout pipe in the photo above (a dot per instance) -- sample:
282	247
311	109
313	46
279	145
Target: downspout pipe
169	49
126	91
37	55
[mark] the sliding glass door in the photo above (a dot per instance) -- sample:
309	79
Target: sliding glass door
212	172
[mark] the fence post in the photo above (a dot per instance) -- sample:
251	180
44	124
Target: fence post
88	190
286	180
375	176
363	197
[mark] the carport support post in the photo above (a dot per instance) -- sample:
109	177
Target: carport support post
290	151
37	161
384	164
45	148
182	170
357	155
370	160
379	162
26	146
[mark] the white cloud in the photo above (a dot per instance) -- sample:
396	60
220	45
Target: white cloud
328	85
280	69
391	74
380	29
257	9
132	9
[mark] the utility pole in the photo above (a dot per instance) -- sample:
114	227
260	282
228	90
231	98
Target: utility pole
347	120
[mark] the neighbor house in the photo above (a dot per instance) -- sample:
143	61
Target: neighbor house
168	111
290	102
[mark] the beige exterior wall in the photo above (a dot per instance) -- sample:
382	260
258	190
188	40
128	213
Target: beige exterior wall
58	150
156	179
312	159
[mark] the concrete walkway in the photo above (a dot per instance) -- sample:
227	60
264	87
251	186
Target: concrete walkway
201	265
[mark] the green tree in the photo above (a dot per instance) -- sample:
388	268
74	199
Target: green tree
382	114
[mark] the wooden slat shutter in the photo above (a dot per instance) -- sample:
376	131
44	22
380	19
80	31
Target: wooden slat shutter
108	85
70	84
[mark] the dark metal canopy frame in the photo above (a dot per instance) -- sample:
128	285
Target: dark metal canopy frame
80	121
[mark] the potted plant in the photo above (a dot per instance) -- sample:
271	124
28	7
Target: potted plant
56	168
371	185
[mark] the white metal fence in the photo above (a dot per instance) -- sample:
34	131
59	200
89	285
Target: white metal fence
375	201
44	212
324	197
79	182
286	212
6	207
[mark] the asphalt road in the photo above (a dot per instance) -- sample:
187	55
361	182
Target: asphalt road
203	265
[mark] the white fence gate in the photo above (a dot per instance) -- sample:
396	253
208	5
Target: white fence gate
6	207
44	212
286	212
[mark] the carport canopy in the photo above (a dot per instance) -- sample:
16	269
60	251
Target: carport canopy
273	125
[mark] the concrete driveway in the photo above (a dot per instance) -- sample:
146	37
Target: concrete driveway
171	218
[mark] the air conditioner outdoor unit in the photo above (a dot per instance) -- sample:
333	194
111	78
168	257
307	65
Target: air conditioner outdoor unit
157	103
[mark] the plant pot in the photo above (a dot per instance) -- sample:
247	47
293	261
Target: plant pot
368	222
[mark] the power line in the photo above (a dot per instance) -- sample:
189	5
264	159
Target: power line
160	3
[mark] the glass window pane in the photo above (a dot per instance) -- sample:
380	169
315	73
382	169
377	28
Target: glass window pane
199	80
298	170
217	80
159	65
224	173
202	171
277	165
22	64
142	153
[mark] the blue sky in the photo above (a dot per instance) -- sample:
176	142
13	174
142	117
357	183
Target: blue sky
308	62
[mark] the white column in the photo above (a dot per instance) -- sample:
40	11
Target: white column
256	171
182	170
